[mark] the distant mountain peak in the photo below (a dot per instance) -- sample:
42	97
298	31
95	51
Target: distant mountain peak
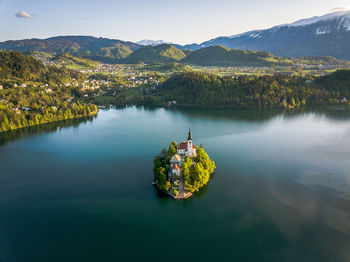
326	35
338	13
315	19
146	42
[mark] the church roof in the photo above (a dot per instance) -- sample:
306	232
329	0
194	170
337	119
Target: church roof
183	146
175	158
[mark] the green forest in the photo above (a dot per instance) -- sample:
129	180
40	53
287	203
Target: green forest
32	94
196	173
196	89
161	167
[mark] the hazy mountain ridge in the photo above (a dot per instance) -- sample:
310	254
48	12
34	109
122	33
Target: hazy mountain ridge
223	56
208	56
164	53
101	49
328	35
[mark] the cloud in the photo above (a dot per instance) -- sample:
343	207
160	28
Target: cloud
23	14
339	9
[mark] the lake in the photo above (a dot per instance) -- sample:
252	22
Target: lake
81	190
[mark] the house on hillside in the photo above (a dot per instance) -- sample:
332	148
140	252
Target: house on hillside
175	170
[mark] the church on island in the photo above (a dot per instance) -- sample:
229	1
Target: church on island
185	149
182	169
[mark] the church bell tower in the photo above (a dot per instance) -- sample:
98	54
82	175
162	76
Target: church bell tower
189	144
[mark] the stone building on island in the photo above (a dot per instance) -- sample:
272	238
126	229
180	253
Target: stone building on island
187	148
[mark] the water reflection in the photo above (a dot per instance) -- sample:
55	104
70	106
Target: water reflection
248	115
43	129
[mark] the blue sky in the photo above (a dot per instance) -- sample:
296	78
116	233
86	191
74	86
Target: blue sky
178	21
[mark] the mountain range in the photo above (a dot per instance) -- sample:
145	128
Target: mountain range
323	36
327	35
100	49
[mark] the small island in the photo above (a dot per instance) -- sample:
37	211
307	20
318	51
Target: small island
182	169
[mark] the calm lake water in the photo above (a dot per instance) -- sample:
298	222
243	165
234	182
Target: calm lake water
81	190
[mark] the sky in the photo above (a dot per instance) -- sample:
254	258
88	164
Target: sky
178	21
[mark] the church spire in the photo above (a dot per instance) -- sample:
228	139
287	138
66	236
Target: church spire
189	135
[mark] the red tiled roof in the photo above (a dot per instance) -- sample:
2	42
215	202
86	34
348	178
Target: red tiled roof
183	146
175	166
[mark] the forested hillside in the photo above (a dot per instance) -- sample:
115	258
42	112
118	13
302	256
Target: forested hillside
32	94
99	49
164	53
193	89
115	51
14	64
223	56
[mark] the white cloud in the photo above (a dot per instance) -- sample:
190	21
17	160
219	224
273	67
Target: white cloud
339	9
23	14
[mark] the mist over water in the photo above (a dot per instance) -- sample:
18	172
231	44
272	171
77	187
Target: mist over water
82	191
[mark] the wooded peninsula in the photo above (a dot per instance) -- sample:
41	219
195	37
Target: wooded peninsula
32	94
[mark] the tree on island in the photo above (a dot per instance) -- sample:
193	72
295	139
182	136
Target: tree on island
196	173
161	167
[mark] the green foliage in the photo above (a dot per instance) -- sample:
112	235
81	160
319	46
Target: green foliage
172	148
174	67
60	75
164	53
194	89
161	167
33	102
15	64
337	84
223	56
117	51
185	169
31	106
70	60
196	174
99	49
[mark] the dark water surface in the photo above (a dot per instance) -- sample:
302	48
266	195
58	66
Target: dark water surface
81	190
